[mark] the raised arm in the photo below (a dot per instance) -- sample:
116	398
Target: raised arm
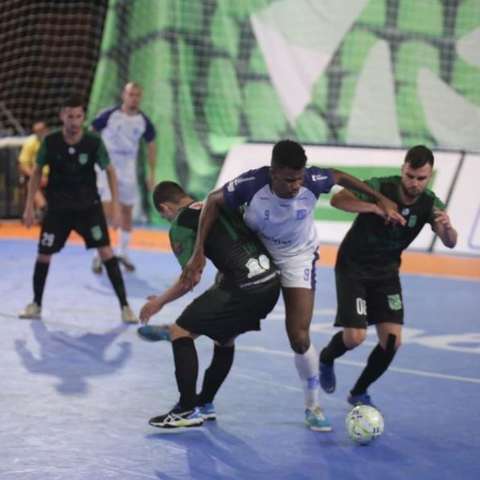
193	269
347	201
443	228
387	206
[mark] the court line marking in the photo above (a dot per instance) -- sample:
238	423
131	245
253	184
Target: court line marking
419	373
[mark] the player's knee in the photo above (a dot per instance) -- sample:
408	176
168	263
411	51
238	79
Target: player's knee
353	337
299	341
391	345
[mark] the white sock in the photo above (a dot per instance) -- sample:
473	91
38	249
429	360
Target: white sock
307	368
123	241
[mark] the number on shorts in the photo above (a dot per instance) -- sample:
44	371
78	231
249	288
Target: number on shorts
361	306
47	239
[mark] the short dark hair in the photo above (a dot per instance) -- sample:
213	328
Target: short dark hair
419	156
167	192
73	101
288	154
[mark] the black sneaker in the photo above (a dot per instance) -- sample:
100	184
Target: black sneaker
178	419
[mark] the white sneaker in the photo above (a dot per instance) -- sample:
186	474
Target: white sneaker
97	265
128	316
316	420
32	311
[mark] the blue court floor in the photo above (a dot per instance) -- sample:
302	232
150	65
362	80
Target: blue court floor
78	388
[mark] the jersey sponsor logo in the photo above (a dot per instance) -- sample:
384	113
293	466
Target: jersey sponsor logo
96	232
317	178
71	150
301	214
266	215
405	211
234	183
394	302
412	221
83	158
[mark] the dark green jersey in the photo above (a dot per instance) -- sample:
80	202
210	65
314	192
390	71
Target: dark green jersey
72	180
373	249
236	252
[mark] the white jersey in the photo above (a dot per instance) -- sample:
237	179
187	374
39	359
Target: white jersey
285	225
121	134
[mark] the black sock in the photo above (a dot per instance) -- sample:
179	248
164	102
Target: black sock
216	373
377	363
186	371
336	348
39	278
116	279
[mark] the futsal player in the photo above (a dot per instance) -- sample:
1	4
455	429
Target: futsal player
367	268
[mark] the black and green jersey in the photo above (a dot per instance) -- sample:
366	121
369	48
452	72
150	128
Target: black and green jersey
72	180
236	252
373	249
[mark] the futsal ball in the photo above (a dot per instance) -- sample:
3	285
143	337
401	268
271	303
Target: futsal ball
364	423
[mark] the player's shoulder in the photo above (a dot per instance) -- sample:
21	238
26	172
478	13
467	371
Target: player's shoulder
253	180
432	198
106	113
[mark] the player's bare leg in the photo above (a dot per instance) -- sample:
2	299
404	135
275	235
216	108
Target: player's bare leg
299	310
124	236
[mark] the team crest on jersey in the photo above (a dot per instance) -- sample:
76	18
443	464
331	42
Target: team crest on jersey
412	221
301	214
394	302
83	158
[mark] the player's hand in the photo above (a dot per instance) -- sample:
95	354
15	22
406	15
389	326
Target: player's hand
116	215
390	211
152	307
28	216
442	218
192	271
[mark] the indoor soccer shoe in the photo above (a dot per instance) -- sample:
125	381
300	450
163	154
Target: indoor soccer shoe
128	316
207	411
154	333
327	377
127	263
32	311
315	420
360	399
178	419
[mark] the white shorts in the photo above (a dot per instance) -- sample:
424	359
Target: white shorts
298	271
127	192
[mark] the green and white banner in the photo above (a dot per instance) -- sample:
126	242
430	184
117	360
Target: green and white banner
222	73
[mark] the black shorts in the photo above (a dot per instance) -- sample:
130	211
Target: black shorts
222	314
90	224
364	302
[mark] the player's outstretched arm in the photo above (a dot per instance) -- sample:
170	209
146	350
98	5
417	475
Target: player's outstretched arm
389	207
157	302
444	229
347	201
193	269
